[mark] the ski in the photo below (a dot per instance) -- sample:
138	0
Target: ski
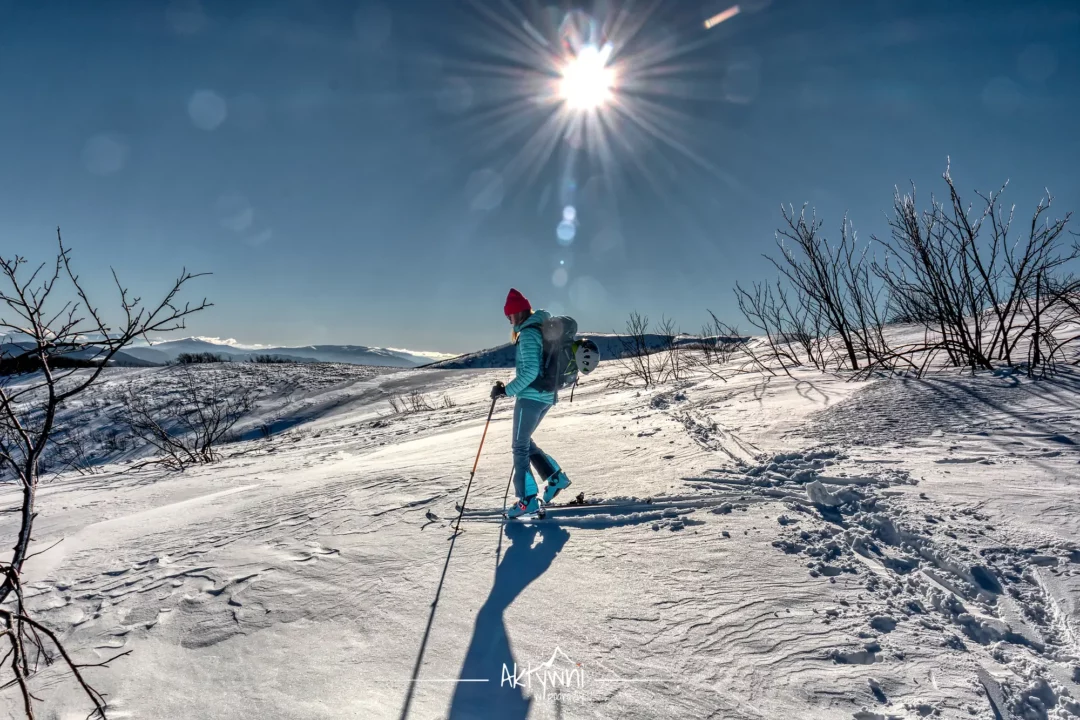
503	520
564	512
538	515
562	507
620	505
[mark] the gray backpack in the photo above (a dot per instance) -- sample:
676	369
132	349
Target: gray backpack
557	367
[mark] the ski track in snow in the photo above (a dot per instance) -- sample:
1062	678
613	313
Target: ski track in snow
783	547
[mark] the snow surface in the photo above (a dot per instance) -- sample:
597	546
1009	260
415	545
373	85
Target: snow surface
772	547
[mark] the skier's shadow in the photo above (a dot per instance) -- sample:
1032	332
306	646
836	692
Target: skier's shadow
531	552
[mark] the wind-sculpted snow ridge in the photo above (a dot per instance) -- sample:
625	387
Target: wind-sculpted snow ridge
904	409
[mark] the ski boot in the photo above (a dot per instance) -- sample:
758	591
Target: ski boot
525	508
554	485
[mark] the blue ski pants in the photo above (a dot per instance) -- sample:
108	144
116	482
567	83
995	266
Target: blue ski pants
527	416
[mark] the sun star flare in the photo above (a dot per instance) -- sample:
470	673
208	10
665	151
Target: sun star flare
587	79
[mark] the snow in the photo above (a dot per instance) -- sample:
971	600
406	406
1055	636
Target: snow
765	547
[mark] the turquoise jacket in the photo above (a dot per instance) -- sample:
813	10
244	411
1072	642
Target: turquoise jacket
530	353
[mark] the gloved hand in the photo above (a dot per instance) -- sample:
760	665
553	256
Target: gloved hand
498	391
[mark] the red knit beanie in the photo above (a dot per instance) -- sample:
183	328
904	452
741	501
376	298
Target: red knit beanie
515	303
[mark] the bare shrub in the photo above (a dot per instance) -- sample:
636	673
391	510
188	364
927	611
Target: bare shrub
910	306
14	362
828	306
201	358
418	402
48	329
638	358
675	361
412	402
706	347
74	450
986	297
448	402
265	359
983	296
718	344
190	427
112	440
1055	325
769	313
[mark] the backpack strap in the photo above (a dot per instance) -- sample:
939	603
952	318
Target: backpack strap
544	356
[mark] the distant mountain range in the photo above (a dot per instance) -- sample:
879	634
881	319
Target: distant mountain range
169	350
15	349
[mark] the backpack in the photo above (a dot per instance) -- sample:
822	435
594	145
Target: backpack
557	367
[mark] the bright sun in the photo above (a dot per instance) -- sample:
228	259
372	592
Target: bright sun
587	80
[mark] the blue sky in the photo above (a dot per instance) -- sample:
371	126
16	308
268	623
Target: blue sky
352	172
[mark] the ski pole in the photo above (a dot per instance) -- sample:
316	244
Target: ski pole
507	493
502	530
461	512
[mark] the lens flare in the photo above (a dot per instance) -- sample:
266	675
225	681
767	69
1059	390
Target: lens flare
618	93
722	16
587	80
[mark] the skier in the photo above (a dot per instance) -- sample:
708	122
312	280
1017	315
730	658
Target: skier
530	406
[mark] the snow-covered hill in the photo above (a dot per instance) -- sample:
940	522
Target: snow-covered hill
768	547
611	346
169	350
124	358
